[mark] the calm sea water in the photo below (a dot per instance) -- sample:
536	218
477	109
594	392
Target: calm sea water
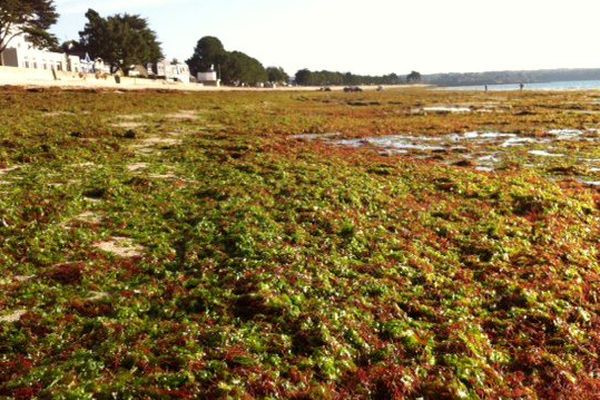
565	85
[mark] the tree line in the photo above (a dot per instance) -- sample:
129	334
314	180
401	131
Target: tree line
233	67
305	77
126	40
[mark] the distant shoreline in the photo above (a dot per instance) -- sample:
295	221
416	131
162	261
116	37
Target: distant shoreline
568	85
528	77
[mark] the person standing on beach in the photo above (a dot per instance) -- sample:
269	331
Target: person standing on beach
486	88
521	86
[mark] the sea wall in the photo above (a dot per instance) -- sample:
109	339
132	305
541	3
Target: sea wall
14	75
36	77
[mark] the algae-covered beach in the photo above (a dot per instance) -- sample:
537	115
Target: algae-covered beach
395	244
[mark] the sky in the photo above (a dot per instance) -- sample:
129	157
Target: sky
373	36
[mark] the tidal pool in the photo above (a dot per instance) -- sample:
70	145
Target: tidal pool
557	149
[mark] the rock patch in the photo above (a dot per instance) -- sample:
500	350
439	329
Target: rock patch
23	278
4	171
137	167
97	296
128	124
13	317
88	217
184	115
120	247
163	176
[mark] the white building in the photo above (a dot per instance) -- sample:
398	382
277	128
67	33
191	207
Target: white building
94	66
209	78
23	54
178	72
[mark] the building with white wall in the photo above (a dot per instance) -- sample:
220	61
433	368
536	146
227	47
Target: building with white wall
95	66
23	54
209	78
171	71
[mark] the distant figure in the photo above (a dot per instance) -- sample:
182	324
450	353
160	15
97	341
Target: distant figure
521	86
486	88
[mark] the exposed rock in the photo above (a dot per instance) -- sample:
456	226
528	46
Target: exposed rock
137	166
184	115
97	296
13	317
4	171
88	217
128	125
23	278
121	247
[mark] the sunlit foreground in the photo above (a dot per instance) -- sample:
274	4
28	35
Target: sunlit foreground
395	244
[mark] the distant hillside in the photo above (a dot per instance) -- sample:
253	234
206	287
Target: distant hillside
500	77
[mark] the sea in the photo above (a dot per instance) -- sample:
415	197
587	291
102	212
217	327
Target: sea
563	85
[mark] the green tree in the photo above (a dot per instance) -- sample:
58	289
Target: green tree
277	75
122	40
72	47
209	52
31	18
413	77
391	79
303	77
239	68
235	67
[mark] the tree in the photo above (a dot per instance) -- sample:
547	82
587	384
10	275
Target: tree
391	79
72	47
413	77
209	52
122	40
31	18
303	77
235	67
239	68
277	75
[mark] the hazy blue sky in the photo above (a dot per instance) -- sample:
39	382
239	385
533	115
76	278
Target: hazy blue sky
375	36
